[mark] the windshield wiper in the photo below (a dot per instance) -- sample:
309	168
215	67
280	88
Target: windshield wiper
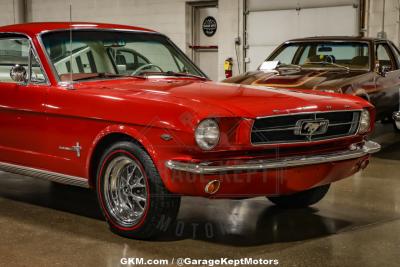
105	75
330	63
289	66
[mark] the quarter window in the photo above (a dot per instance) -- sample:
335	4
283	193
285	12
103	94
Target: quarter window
15	51
383	56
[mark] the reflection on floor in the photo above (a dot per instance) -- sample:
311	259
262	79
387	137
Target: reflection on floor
357	224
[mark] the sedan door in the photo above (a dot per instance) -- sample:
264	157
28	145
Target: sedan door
22	104
386	96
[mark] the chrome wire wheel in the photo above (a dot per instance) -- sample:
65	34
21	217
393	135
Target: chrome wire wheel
125	191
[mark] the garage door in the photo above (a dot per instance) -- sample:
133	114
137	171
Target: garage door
266	29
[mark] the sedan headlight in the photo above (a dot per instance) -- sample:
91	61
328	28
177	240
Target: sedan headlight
207	134
365	122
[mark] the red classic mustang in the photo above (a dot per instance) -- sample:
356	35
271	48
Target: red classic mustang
123	111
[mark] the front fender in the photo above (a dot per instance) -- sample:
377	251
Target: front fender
130	131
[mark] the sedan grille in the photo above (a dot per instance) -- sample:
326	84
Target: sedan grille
304	127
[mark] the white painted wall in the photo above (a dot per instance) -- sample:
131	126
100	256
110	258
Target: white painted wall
172	17
167	16
230	26
6	12
392	17
11	11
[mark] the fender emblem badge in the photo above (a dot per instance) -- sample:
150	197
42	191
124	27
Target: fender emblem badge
76	148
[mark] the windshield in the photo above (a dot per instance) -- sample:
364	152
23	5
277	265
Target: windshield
352	55
107	54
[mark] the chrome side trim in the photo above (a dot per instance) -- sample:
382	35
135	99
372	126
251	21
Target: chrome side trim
353	152
46	175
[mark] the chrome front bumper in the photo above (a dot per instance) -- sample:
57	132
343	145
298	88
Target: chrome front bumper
369	147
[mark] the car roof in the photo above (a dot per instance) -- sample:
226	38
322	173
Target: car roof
337	38
40	27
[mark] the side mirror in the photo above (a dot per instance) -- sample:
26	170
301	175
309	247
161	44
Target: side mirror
383	70
18	74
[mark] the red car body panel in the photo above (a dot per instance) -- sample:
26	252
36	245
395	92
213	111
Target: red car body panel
38	119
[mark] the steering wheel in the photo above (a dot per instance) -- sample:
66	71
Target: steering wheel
145	67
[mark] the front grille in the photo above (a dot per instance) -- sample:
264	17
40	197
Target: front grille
288	128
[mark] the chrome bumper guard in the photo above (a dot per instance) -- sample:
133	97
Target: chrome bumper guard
354	151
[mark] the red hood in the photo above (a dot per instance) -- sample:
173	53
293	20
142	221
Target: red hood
221	99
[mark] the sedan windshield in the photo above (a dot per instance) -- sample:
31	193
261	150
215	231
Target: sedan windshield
344	55
97	54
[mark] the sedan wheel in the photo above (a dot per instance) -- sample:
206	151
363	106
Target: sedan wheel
396	121
126	191
131	193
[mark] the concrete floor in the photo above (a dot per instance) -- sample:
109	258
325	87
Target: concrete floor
357	224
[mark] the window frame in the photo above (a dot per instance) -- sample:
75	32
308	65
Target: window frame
395	52
31	54
371	48
55	73
388	49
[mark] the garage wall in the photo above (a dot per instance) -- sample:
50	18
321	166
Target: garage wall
392	17
11	11
230	13
269	23
6	13
167	16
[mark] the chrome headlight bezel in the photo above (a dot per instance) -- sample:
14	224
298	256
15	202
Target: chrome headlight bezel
207	134
365	122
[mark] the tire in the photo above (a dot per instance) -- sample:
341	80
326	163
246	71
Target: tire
396	125
302	199
138	192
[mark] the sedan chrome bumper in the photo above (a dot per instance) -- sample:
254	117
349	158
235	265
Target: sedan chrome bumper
353	152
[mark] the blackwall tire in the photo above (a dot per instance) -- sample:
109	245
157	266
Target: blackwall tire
301	199
131	194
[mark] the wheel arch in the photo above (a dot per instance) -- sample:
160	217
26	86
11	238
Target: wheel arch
363	94
109	136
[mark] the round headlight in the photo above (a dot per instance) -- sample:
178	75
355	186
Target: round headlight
207	134
365	122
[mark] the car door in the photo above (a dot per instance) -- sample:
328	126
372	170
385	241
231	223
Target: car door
386	96
22	103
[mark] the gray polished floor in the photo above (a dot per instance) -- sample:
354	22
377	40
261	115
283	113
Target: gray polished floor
357	224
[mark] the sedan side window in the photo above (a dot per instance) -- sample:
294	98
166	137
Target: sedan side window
15	51
396	53
383	56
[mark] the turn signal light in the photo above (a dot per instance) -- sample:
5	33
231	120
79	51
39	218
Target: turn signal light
212	187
